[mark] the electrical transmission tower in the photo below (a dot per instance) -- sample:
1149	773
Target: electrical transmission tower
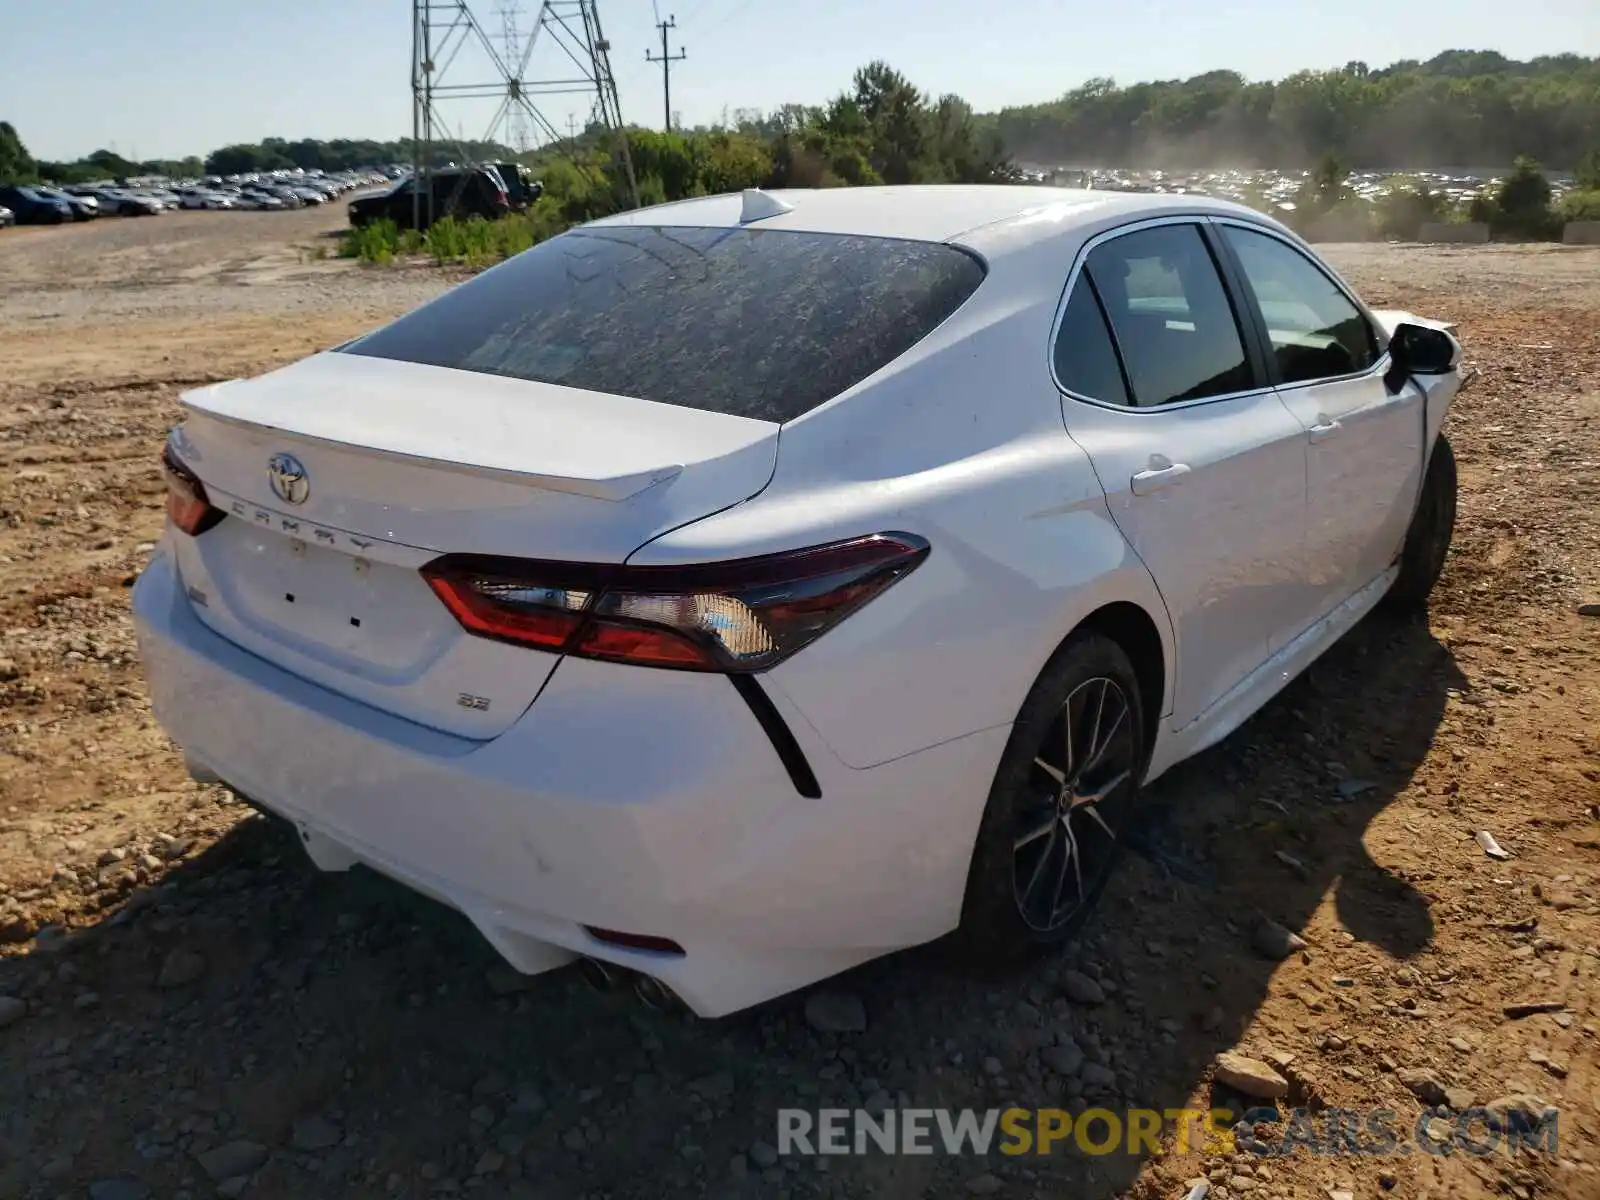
666	59
518	136
445	31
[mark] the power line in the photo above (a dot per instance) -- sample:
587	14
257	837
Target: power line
666	59
733	12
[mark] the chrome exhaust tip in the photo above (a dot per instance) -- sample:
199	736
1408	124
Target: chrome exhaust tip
654	994
601	976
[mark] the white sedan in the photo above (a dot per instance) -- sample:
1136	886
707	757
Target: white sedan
736	590
202	198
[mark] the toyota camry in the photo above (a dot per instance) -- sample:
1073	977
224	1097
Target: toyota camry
735	590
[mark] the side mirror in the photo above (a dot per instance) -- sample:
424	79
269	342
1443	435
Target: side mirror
1420	350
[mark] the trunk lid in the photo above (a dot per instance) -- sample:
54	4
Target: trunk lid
384	465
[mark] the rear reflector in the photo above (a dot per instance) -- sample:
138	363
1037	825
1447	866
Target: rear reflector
634	941
187	505
739	616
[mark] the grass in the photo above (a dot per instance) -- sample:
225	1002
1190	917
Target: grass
473	242
374	243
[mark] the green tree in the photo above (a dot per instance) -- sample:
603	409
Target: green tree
1325	188
1587	173
1522	203
1461	107
16	164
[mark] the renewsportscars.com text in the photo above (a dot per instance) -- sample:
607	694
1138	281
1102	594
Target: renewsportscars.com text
1016	1131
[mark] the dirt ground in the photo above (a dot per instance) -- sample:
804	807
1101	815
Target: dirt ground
188	1009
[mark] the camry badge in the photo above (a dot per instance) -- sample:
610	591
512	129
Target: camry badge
289	480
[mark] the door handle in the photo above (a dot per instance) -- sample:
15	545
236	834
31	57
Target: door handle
1325	428
1156	478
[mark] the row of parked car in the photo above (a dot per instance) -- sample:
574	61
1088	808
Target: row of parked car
44	205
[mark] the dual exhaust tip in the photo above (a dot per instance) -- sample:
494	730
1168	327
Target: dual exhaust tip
650	991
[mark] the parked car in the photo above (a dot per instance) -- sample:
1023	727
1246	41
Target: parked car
255	200
83	208
457	191
735	590
33	206
287	194
7	217
203	198
125	203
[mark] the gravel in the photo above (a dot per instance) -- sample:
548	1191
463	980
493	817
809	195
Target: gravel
345	1000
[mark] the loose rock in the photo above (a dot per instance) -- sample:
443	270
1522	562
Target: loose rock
1526	1109
836	1012
314	1133
1274	941
1095	1075
1528	1008
181	968
1080	989
1065	1059
231	1159
1249	1077
1490	846
12	1010
763	1155
1424	1084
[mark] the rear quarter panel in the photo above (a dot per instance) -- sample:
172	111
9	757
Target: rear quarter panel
960	441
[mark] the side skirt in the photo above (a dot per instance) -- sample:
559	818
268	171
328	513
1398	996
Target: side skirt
1240	703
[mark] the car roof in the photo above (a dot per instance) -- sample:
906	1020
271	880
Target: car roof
928	212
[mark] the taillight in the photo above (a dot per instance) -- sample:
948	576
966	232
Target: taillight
187	505
739	616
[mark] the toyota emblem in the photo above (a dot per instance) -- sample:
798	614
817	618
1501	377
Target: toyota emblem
290	482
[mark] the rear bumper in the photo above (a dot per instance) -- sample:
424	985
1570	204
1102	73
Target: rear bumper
645	801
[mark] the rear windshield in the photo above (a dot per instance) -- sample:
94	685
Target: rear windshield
756	323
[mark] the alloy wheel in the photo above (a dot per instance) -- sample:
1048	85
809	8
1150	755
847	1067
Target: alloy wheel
1065	837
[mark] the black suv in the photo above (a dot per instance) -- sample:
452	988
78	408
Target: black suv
457	191
33	206
521	186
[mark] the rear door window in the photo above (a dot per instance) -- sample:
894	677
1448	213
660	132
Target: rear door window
1085	360
760	323
1174	325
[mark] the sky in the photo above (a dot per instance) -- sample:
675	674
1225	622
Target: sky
169	78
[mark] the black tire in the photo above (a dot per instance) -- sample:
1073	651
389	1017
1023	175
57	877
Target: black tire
999	922
1428	537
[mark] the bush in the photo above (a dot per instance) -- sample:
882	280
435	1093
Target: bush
1349	220
1482	208
372	243
1580	206
1405	206
474	242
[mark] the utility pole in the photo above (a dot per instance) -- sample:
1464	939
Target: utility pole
666	59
